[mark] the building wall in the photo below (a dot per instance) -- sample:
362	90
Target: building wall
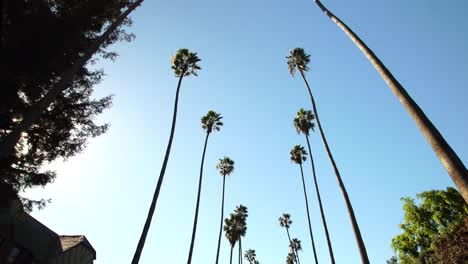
79	254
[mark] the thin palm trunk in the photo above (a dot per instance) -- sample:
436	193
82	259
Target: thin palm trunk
232	248
195	221
240	250
221	224
308	215
7	146
450	160
357	232
295	251
330	249
144	233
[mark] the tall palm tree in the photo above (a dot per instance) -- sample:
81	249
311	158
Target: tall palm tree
295	246
235	226
242	213
210	122
286	222
291	258
251	256
450	160
298	156
231	233
7	146
184	63
298	59
303	122
225	167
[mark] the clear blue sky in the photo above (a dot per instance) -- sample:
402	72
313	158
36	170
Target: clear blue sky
104	193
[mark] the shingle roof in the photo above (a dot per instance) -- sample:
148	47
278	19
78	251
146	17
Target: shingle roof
72	241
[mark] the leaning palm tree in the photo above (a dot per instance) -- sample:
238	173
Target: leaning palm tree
242	214
298	156
251	256
7	145
303	122
286	222
225	167
298	59
210	122
450	160
184	63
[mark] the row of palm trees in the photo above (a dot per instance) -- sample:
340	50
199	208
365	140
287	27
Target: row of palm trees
184	64
294	244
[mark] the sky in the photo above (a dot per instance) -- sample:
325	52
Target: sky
104	193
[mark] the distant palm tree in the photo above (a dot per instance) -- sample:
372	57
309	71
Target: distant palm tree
291	258
242	213
210	122
286	222
235	226
298	156
225	167
251	256
231	233
303	122
444	152
184	63
298	59
295	246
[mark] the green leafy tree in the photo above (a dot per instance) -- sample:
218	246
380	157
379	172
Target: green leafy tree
437	213
298	156
210	122
303	122
251	256
184	63
226	168
40	41
299	60
444	152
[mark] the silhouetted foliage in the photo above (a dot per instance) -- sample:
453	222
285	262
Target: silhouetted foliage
40	40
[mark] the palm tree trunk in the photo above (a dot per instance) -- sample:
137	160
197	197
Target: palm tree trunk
7	146
308	215
357	232
450	160
144	233
221	224
195	221
232	248
295	251
240	250
330	249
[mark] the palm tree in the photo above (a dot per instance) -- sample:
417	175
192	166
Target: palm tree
303	122
210	122
231	233
235	226
251	256
298	59
295	246
184	63
286	222
242	213
291	258
298	156
450	160
7	146
225	167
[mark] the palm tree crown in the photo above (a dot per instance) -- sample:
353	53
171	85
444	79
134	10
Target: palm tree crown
303	122
212	121
295	244
225	166
298	154
297	58
184	63
285	220
291	258
251	256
